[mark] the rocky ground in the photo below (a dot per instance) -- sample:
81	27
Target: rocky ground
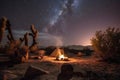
89	66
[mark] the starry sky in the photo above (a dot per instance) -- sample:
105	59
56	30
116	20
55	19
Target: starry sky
61	22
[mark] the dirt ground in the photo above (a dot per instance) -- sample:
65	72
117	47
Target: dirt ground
87	66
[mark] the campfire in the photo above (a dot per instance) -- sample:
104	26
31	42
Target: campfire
62	58
59	54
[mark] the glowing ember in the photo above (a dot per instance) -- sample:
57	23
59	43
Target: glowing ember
62	57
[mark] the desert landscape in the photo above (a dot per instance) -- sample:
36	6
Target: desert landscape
59	40
90	67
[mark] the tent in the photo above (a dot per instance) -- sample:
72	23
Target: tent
57	52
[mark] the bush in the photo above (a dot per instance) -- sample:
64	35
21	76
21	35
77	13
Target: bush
87	51
107	44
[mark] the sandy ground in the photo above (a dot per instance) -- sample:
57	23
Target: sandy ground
104	71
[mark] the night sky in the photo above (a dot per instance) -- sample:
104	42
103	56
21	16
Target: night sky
61	22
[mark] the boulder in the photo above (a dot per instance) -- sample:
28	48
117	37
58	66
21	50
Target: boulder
33	72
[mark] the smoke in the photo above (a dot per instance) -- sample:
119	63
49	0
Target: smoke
44	39
49	40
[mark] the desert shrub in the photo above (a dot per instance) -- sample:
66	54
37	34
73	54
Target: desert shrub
87	51
107	44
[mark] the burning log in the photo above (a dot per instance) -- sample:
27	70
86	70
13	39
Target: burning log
62	58
59	54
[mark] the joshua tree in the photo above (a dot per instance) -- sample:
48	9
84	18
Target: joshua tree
34	34
3	23
26	38
9	30
9	38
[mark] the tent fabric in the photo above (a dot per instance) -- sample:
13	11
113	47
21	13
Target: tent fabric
57	52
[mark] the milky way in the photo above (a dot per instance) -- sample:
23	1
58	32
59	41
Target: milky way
61	22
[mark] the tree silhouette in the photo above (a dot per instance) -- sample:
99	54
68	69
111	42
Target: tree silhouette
34	34
9	30
107	44
3	23
26	38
